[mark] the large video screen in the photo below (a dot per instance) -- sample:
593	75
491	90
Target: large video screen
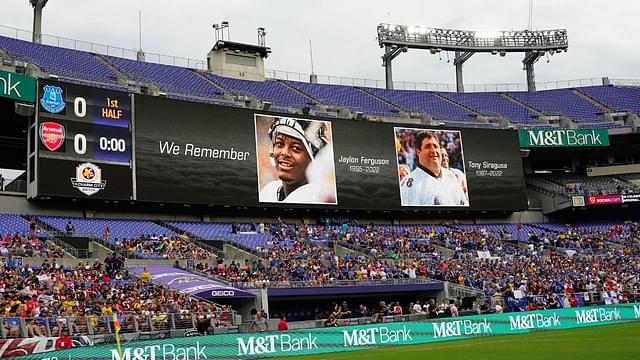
195	153
84	143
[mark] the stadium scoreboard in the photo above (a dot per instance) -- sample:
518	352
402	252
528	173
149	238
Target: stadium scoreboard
83	134
105	144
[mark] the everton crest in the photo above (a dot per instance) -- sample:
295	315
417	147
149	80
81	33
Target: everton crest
88	179
52	100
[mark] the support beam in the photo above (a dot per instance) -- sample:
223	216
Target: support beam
38	5
530	58
460	58
390	52
37	25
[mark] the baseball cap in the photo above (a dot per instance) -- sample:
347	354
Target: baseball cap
311	133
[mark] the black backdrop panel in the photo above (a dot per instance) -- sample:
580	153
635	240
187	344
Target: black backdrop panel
366	158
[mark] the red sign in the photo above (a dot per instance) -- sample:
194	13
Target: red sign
604	199
52	135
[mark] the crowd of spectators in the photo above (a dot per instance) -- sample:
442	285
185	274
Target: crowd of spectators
337	312
29	245
605	263
579	188
601	262
54	300
176	247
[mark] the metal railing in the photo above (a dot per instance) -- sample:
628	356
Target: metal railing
74	252
588	297
102	49
130	322
443	87
457	291
335	283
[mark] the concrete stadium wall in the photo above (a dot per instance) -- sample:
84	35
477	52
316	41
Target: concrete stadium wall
18	204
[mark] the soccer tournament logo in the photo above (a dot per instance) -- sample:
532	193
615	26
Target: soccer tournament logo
88	179
52	100
52	135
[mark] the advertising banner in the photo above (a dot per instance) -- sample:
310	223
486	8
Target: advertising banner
604	199
563	138
192	284
340	339
17	86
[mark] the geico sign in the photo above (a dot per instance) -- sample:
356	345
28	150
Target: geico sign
220	293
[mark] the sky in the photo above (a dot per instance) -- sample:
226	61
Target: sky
603	35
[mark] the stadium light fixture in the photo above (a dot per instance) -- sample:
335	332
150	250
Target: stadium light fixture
465	43
262	35
219	30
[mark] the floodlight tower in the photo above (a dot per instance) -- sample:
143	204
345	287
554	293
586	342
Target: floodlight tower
38	5
396	39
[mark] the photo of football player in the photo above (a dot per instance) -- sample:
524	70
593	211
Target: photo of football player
295	161
431	180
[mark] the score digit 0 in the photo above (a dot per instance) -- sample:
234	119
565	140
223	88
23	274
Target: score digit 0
80	144
80	107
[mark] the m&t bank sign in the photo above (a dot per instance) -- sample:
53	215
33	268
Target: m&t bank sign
17	86
563	138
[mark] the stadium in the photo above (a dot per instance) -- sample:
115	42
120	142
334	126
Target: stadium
159	207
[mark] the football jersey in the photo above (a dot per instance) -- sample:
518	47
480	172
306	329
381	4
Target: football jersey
420	188
305	194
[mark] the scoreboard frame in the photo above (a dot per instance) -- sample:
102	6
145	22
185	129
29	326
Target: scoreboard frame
88	127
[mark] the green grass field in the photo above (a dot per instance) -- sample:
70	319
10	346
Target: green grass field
599	342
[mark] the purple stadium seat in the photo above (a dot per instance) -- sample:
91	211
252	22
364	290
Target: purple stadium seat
347	96
63	62
171	79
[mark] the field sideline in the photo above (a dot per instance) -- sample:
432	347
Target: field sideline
620	341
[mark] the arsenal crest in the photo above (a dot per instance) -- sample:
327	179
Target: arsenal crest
88	179
52	100
52	135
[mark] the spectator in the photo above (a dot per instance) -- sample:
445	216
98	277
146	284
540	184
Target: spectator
380	313
453	309
145	276
70	228
259	324
106	233
345	312
63	341
331	321
397	309
282	324
363	311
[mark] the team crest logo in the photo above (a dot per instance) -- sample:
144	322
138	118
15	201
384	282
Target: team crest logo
52	135
88	179
52	100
